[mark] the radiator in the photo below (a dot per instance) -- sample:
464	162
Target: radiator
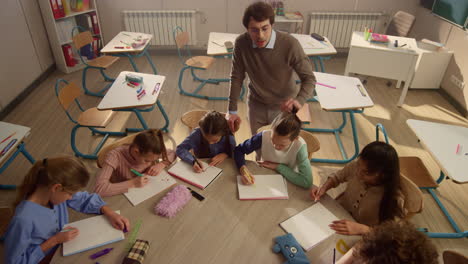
338	27
161	24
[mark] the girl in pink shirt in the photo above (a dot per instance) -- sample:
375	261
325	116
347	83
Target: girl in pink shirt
142	156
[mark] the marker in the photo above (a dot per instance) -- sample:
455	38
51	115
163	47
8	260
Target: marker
402	46
156	88
217	44
334	254
66	230
118	47
5	139
318	191
326	85
101	253
5	149
361	89
196	195
456	152
196	160
136	173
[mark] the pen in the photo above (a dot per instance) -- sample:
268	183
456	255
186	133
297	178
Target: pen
156	88
101	253
456	152
126	34
361	89
402	46
196	195
326	85
65	230
334	254
196	160
136	173
118	47
5	139
318	191
217	44
5	149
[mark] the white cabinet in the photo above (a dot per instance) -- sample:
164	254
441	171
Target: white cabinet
59	30
431	66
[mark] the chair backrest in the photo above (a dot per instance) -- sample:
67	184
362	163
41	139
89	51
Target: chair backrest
82	39
191	118
103	152
181	39
452	257
313	145
413	196
67	95
401	24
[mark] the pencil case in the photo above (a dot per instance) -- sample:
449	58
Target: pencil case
173	202
229	46
137	253
133	78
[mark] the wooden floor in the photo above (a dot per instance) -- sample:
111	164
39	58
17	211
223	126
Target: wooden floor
50	129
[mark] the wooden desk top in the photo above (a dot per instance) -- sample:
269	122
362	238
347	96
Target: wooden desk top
122	96
6	129
441	141
311	46
220	229
124	39
346	94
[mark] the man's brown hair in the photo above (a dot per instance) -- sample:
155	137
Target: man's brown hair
395	242
259	11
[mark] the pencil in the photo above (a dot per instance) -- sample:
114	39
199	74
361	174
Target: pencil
5	139
326	85
196	160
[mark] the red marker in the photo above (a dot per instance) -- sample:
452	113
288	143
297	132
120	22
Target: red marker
118	47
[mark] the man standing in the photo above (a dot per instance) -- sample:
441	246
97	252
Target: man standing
269	58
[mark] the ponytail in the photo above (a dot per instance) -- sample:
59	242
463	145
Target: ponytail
287	124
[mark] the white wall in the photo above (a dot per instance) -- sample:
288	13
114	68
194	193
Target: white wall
226	16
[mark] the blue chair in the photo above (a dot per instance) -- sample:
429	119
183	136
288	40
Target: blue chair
91	118
82	42
181	38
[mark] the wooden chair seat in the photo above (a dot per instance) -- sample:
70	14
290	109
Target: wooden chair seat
452	257
191	118
203	62
313	145
413	196
95	118
413	168
103	61
103	152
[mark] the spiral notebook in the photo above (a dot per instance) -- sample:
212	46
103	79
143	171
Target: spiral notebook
266	187
184	171
310	226
156	184
94	232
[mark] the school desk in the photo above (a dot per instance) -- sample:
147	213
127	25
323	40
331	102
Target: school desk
343	94
20	133
121	46
121	97
220	229
313	48
448	145
384	60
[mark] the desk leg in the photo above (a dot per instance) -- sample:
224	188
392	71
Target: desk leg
403	94
20	149
166	118
150	61
398	84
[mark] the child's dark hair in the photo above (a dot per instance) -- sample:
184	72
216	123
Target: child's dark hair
213	123
382	159
259	11
68	171
151	140
287	124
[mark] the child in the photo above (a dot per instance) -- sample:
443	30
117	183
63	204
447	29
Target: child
51	186
116	175
372	194
212	139
392	242
281	149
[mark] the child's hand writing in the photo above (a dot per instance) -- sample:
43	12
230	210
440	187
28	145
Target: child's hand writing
65	236
156	169
218	159
197	168
247	177
347	227
317	192
139	182
117	221
268	164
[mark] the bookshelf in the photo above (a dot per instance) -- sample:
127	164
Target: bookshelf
59	24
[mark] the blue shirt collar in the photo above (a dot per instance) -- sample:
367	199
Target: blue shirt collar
271	43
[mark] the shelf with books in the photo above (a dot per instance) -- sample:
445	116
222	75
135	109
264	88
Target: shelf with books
76	14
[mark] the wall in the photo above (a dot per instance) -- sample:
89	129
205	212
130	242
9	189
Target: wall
225	15
431	27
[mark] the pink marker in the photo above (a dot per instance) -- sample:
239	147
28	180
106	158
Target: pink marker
329	86
458	148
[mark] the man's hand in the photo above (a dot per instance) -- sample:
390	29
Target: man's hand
287	106
233	122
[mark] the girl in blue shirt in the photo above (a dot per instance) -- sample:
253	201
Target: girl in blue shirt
212	139
51	186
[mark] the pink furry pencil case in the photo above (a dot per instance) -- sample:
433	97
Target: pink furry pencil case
173	202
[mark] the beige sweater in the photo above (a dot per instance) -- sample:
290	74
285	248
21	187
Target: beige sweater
360	200
271	71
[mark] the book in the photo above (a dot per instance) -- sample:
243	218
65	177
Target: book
156	184
184	171
94	232
310	227
266	187
293	15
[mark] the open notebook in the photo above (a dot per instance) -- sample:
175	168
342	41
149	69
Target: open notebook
94	232
266	187
184	171
310	226
155	185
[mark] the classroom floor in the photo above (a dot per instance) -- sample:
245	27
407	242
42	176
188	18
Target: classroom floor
50	130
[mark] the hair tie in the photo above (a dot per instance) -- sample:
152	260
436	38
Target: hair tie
44	162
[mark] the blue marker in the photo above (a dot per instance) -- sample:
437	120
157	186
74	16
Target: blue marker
5	150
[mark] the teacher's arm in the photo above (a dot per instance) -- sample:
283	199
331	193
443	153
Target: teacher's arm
237	79
303	67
